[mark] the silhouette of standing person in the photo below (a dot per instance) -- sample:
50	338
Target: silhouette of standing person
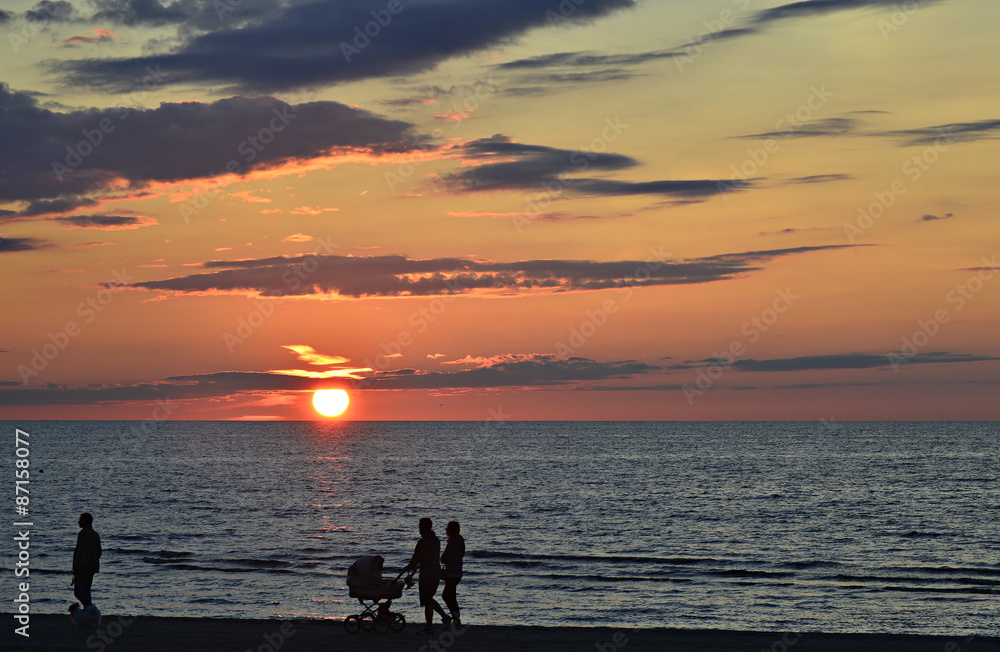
452	560
425	557
86	560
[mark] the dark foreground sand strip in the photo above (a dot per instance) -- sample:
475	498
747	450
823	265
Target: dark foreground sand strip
50	632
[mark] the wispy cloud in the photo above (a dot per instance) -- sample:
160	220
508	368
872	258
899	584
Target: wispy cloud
851	361
814	129
309	355
498	164
100	36
536	370
105	222
374	276
958	132
8	245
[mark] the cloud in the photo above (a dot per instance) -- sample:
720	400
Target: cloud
51	10
820	178
312	210
85	245
519	167
248	197
321	42
935	218
807	8
105	222
8	245
149	13
955	132
850	361
802	9
814	129
51	207
389	276
298	237
54	160
547	72
101	36
309	355
526	370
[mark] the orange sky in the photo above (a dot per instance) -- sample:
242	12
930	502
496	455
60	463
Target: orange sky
481	211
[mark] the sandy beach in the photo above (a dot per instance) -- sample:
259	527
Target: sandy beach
52	632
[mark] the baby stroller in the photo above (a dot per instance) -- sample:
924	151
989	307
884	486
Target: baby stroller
364	581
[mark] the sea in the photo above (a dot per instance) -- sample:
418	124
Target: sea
785	526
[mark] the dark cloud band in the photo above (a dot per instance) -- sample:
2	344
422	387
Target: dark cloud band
390	276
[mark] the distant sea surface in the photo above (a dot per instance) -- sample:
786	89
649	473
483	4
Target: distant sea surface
836	527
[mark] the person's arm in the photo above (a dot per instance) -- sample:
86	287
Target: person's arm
415	559
77	552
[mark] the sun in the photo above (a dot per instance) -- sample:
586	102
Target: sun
331	402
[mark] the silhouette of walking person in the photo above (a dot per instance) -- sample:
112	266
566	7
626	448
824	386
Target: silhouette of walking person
86	560
425	557
452	573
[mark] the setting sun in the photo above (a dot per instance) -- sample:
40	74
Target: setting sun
331	402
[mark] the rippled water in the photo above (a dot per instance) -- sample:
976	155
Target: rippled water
791	526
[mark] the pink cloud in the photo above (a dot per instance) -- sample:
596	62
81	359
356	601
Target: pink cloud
102	36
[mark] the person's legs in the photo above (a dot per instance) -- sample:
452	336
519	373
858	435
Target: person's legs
434	606
427	591
82	589
449	595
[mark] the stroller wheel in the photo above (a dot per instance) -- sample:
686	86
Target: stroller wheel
367	622
381	624
398	622
352	624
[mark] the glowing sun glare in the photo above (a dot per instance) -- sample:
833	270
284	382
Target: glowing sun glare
330	402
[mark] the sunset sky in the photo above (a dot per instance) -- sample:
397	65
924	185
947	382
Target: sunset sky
486	209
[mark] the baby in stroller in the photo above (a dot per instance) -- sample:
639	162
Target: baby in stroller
364	581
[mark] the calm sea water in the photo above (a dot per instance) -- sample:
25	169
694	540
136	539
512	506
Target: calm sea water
858	527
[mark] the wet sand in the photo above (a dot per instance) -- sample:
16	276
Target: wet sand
52	632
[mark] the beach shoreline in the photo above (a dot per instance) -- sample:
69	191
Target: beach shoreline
155	634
